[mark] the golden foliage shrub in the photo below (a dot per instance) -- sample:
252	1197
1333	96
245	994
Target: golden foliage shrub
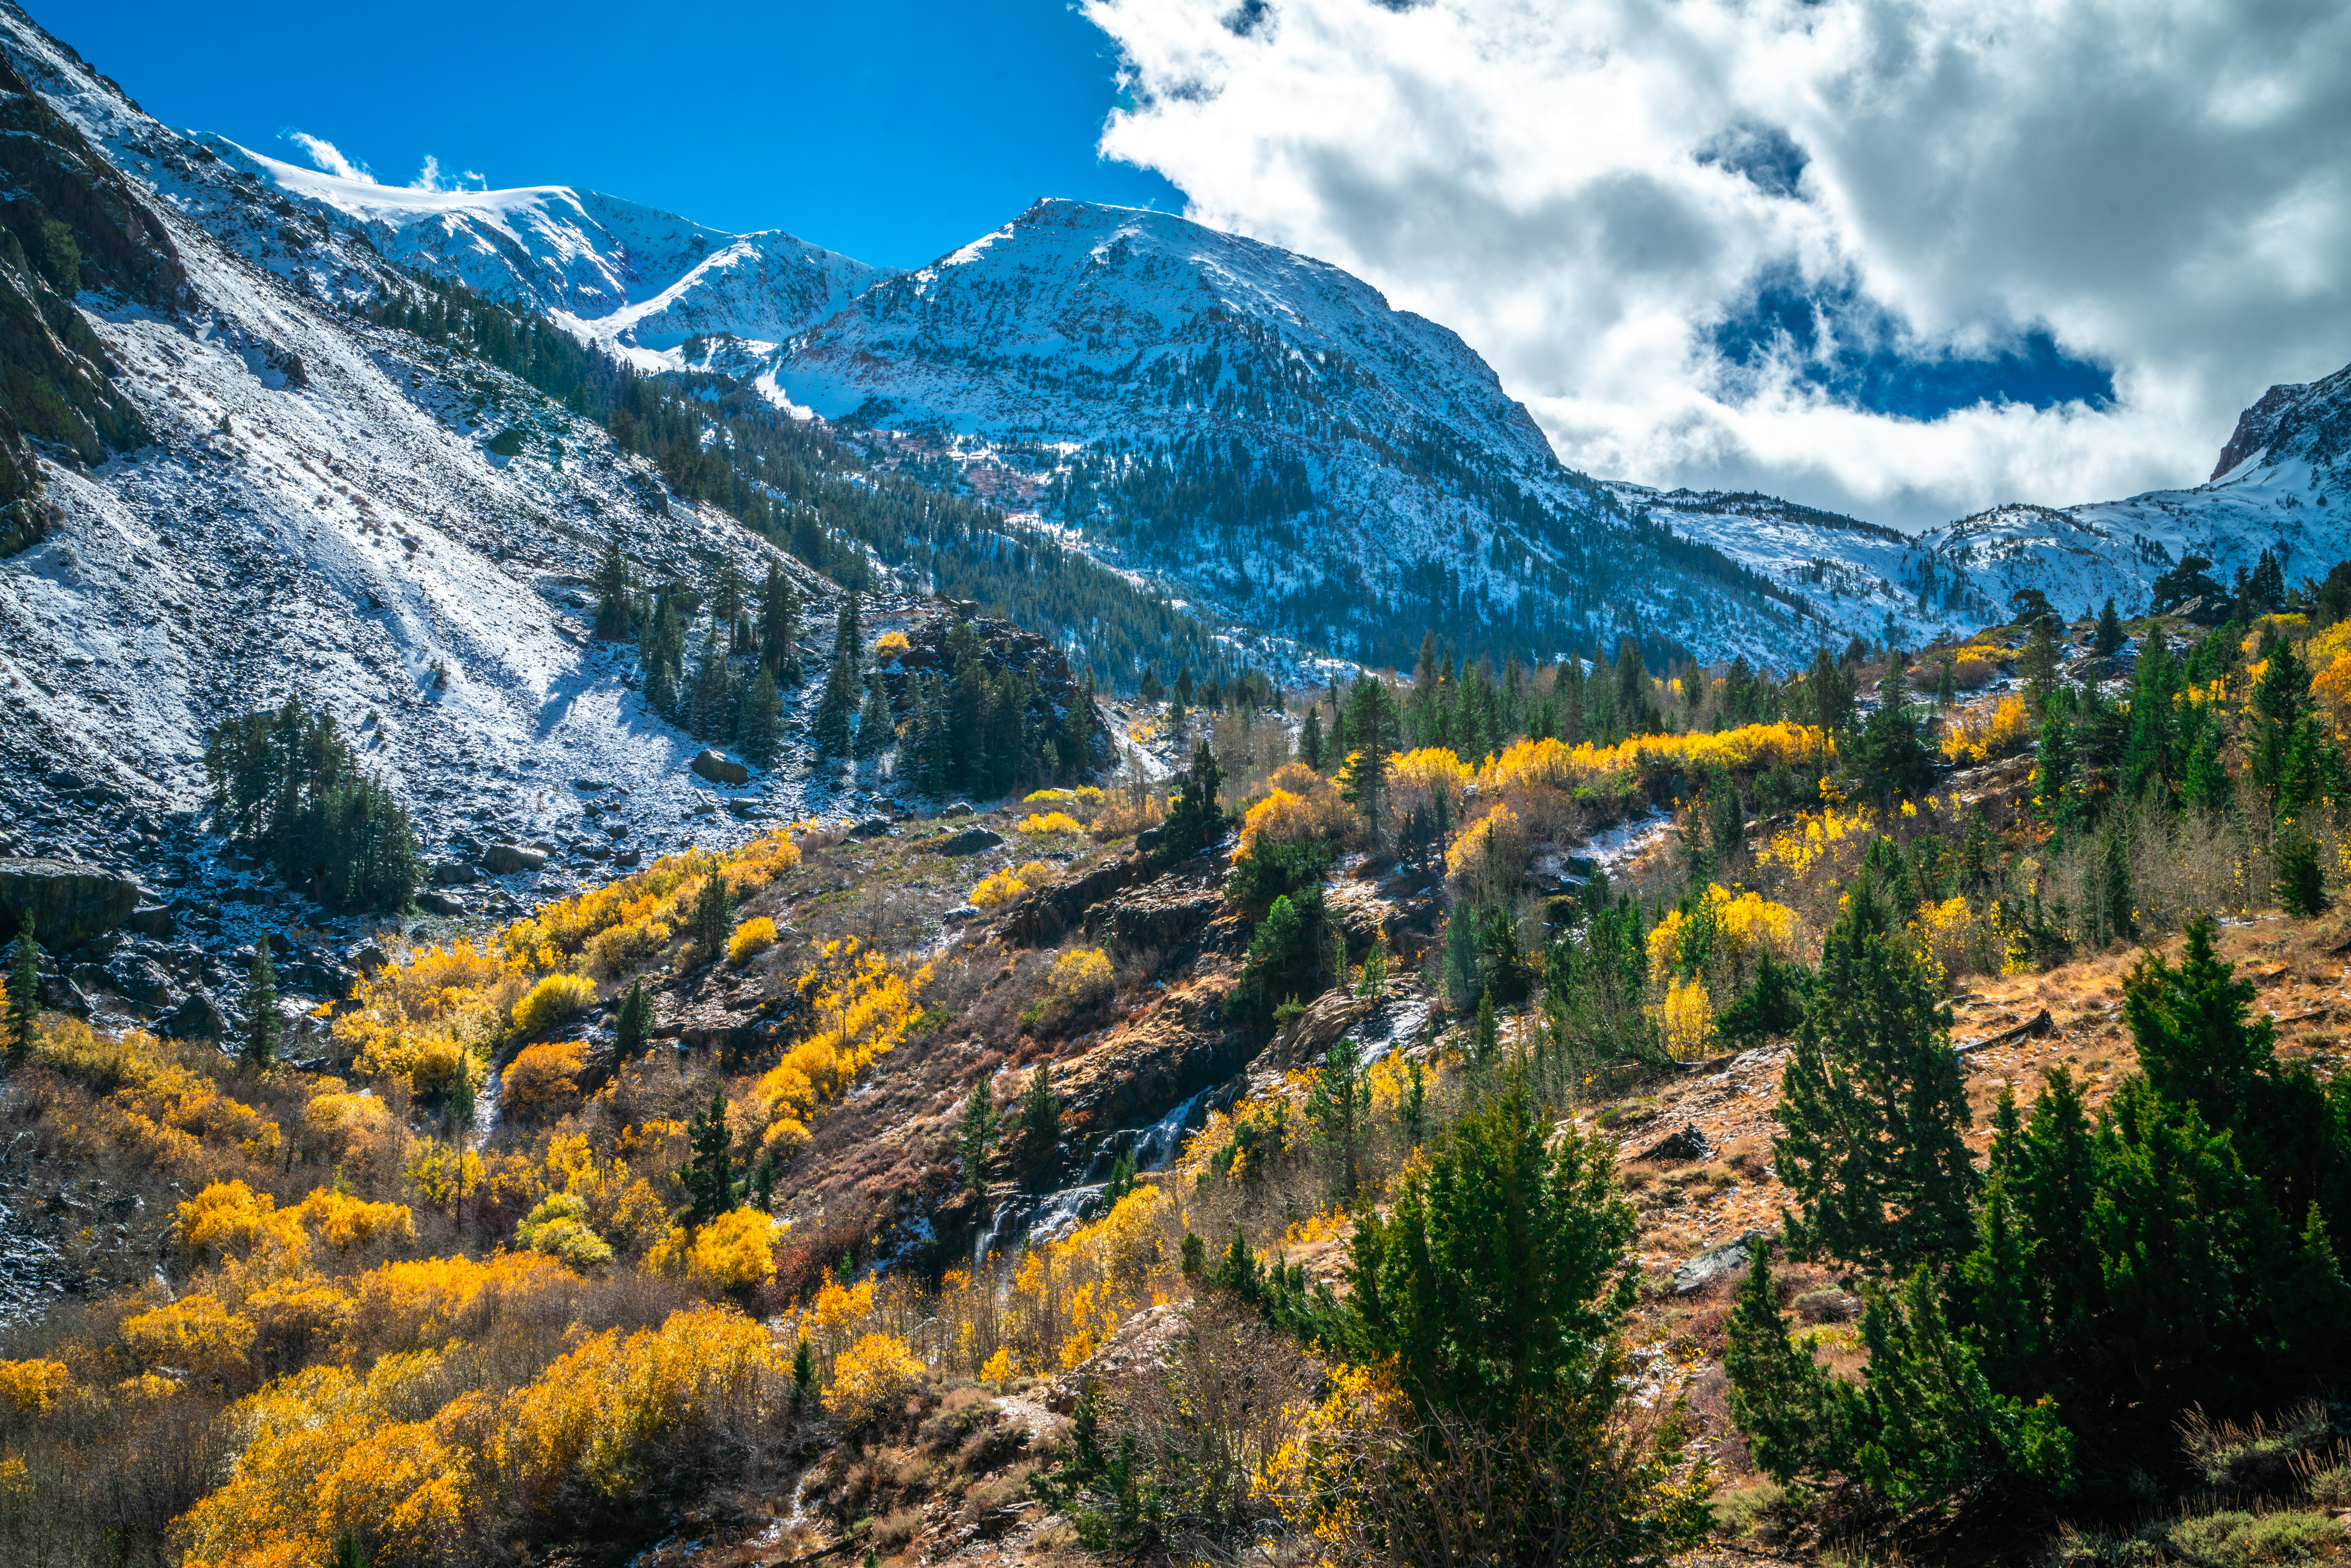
588	1419
1728	930
229	1216
733	1252
427	1301
751	938
1314	813
1555	765
890	645
863	1007
29	1388
327	1451
870	1378
1082	976
1417	777
543	1079
1685	1019
1982	736
996	891
194	1334
1050	823
1489	858
554	1000
558	1227
343	1224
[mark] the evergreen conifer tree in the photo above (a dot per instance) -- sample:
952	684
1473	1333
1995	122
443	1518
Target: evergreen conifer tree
1310	738
1875	1114
780	627
24	991
830	727
632	1023
2038	665
613	593
257	1042
1195	818
761	727
849	636
709	1175
874	730
2110	638
711	921
976	1134
1041	1108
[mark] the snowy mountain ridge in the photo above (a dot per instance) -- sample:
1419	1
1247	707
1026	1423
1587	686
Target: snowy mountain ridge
632	278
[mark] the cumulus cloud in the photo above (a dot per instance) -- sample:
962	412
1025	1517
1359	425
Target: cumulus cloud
329	158
428	178
1906	258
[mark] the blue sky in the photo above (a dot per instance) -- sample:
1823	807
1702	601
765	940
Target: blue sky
892	130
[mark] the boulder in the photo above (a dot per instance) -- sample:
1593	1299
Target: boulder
367	957
69	900
1678	1147
504	859
719	769
626	857
153	920
960	914
452	874
439	904
198	1018
1312	1033
590	786
871	828
705	807
1714	1263
141	979
970	841
960	808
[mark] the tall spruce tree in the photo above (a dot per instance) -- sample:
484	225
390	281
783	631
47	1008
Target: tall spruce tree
976	1134
257	1040
24	991
1873	1106
632	1024
874	730
830	727
780	627
615	601
709	1175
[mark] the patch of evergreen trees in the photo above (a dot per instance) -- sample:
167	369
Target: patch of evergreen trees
287	783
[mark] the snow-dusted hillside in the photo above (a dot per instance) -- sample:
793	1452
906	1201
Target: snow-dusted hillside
635	279
1261	430
316	514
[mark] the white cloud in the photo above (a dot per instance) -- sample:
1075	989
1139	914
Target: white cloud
329	158
1585	188
428	178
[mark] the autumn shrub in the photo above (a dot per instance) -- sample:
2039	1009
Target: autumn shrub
344	1225
1988	735
732	1253
554	1000
542	1081
1050	822
1488	861
890	645
751	938
870	1380
862	1005
29	1388
1122	819
196	1333
1082	976
995	891
625	949
558	1227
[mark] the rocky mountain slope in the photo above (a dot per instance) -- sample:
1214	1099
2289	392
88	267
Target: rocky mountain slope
237	491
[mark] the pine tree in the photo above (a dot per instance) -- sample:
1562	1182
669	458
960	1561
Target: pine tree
830	727
1498	1275
1372	734
849	636
711	920
258	1043
1947	683
727	597
762	734
24	991
780	627
874	731
709	1175
2056	793
1040	1109
614	602
1875	1112
2110	639
632	1023
1310	738
975	1135
1337	1103
2040	665
1195	819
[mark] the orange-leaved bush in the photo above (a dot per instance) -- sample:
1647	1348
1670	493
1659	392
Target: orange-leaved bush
543	1079
863	1006
870	1378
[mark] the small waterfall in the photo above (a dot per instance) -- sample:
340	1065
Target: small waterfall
1045	1216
